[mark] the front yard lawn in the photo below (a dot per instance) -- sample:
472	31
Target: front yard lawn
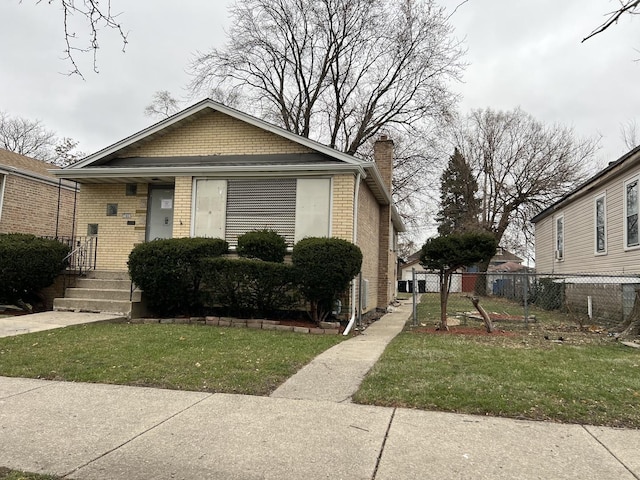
181	357
547	371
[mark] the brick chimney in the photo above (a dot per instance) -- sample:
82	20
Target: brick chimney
383	156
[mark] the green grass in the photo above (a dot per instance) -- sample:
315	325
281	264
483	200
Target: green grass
588	378
7	474
183	357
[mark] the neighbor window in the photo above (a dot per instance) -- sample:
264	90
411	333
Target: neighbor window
631	213
559	238
2	182
601	224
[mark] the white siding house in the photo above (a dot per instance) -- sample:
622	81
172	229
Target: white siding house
594	229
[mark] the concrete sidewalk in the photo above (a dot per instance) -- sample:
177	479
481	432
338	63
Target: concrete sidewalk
36	322
92	431
307	429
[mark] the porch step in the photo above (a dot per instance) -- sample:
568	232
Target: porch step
120	307
103	284
104	292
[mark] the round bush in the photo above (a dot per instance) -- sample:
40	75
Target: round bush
265	245
169	272
28	264
324	267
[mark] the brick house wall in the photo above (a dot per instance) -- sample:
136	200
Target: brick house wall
211	132
30	205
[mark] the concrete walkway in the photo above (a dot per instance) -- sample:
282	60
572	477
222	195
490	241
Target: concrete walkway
94	432
36	322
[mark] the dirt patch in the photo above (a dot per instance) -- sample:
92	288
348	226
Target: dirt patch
462	330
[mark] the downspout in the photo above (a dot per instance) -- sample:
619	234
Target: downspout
355	240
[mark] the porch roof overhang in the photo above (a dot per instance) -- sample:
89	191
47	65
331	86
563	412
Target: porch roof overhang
153	174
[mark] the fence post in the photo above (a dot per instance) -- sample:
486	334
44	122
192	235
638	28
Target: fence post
415	298
525	298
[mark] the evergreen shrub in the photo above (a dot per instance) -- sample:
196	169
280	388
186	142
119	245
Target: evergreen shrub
324	267
245	287
169	272
28	264
265	245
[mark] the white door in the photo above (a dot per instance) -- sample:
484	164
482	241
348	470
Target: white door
160	213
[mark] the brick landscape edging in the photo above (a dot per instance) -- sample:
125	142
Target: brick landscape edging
326	328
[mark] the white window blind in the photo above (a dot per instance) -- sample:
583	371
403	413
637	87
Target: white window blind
259	204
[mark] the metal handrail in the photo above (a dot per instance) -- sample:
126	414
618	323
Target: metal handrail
83	258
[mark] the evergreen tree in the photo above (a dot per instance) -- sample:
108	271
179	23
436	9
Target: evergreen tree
459	206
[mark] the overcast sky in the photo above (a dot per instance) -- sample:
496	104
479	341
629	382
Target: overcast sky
520	53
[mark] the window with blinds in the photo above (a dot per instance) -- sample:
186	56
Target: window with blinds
258	204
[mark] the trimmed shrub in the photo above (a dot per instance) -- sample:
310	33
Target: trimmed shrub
324	267
249	287
28	264
169	272
265	245
548	294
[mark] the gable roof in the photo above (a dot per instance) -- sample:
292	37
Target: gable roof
615	168
325	159
12	163
21	163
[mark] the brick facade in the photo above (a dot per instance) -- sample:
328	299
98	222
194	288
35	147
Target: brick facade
210	132
30	205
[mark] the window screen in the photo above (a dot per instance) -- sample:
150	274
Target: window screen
261	204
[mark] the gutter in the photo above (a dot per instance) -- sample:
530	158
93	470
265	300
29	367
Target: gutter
355	239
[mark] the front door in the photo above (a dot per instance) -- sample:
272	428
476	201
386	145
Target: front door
160	213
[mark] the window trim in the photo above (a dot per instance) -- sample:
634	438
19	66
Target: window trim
559	255
3	182
601	196
625	241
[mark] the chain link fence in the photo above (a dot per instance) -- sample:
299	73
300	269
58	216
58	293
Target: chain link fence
589	300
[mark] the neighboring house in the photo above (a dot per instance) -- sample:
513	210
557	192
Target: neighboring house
593	231
594	228
464	280
212	171
32	200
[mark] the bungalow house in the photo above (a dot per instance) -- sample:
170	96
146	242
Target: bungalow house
32	200
213	171
593	231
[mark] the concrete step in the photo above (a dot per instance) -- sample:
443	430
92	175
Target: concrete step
104	294
120	307
108	275
102	284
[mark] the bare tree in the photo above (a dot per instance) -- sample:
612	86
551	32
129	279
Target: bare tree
521	164
338	70
26	137
162	105
626	7
66	152
94	16
630	133
32	139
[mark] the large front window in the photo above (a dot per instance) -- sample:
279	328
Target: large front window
295	208
631	213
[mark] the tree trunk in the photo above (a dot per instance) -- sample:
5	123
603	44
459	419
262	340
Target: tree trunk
631	326
488	324
480	288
